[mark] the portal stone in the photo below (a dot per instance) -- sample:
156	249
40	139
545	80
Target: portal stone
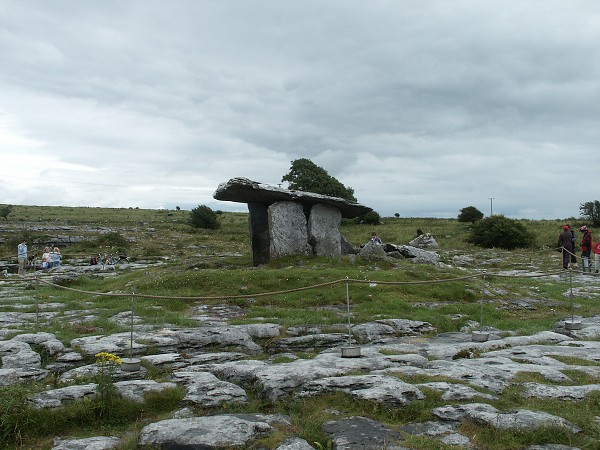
288	229
323	230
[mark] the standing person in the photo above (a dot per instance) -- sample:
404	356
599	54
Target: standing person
22	256
596	250
573	244
565	242
586	247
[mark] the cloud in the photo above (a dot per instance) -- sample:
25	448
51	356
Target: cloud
422	108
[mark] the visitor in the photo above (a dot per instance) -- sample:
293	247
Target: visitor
46	259
565	245
56	257
375	239
596	250
586	248
22	256
574	245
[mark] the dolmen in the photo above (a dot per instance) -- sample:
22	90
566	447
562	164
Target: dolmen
288	222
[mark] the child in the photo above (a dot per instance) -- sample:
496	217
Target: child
596	250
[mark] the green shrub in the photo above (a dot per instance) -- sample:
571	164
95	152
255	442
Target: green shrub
370	218
470	214
113	240
204	217
502	232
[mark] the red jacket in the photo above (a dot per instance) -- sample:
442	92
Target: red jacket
596	247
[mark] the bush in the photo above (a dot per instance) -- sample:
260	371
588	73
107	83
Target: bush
470	214
114	240
499	231
370	218
204	217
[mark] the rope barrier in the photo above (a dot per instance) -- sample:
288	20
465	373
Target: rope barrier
483	274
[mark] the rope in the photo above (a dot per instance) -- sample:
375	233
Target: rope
289	291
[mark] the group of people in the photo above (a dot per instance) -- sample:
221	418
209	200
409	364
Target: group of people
567	241
50	257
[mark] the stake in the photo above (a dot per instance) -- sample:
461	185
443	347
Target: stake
131	335
348	305
571	295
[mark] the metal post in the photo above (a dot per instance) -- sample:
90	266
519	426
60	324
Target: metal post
348	306
131	334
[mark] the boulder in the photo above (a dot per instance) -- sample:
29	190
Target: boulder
424	241
208	432
205	389
361	433
372	252
484	414
387	390
91	443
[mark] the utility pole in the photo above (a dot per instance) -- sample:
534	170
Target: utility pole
491	206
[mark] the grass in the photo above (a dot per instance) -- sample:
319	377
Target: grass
213	267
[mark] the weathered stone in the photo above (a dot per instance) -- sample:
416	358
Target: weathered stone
243	190
424	241
565	393
361	433
372	252
92	443
136	389
308	343
205	389
209	432
408	327
484	414
47	341
323	230
54	398
389	391
457	392
260	241
288	231
444	431
295	443
18	354
418	256
346	247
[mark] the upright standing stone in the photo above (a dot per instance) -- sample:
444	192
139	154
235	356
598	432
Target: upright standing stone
288	229
323	230
258	222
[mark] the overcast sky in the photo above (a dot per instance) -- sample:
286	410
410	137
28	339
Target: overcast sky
422	107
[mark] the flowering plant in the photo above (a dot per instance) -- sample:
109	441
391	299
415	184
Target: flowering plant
105	388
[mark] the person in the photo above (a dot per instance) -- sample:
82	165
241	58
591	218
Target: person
22	256
573	244
566	245
46	259
375	239
56	257
596	250
586	247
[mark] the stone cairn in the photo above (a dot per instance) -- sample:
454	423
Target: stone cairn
285	222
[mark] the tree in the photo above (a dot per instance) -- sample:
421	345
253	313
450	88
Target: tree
591	212
204	217
502	232
5	211
304	175
370	218
470	214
